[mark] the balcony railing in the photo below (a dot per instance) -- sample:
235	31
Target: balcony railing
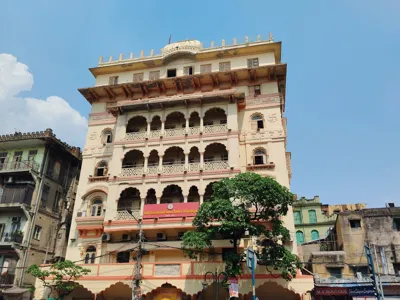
215	128
6	279
174	132
136	171
19	166
128	215
132	136
174	168
154	134
216	165
12	238
194	167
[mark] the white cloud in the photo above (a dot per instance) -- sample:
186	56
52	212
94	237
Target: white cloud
29	114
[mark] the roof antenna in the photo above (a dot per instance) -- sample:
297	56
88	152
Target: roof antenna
169	40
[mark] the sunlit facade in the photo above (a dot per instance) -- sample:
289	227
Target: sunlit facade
163	128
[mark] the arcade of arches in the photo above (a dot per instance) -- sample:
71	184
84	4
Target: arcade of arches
122	291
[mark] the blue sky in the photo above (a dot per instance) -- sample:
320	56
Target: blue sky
342	84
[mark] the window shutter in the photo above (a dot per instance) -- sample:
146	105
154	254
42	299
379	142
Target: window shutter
255	62
110	80
249	63
186	71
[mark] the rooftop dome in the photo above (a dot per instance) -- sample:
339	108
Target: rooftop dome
184	47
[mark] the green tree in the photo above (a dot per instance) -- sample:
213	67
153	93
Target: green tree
246	204
60	277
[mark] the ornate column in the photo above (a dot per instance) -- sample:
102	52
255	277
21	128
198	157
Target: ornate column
185	198
187	125
162	127
201	124
201	160
142	200
201	199
158	200
160	162
148	129
187	161
146	163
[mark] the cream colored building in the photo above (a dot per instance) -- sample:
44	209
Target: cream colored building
162	129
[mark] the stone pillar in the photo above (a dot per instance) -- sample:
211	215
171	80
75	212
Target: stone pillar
201	199
186	161
146	163
201	160
158	200
142	200
160	162
148	129
187	125
162	127
185	198
201	124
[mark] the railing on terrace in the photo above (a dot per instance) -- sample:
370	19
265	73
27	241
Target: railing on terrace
216	165
194	167
153	134
19	166
173	168
215	128
128	215
135	171
12	237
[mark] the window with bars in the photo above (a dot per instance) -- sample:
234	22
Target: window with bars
97	208
225	66
31	156
113	80
56	203
188	70
36	232
260	157
205	68
3	158
252	63
257	122
154	75
138	77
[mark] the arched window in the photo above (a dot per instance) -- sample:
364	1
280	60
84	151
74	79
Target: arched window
106	137
314	235
257	122
90	255
299	237
260	157
97	208
297	217
101	169
312	216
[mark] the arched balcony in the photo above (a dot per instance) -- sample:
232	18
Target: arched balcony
215	157
193	194
155	127
172	194
215	121
136	128
208	192
194	123
151	197
153	162
173	160
133	163
129	204
175	124
194	160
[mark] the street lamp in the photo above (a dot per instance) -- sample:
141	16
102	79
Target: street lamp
216	277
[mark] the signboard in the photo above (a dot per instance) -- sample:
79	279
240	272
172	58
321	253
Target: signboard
392	290
233	288
328	291
361	291
250	256
167	270
170	210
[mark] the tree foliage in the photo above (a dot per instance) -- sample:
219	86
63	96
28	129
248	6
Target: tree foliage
60	277
246	204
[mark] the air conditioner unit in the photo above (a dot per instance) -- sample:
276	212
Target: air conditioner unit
16	219
10	179
106	237
180	235
126	237
161	236
81	214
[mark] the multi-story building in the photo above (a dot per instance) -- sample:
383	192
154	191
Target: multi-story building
163	128
312	219
339	261
38	181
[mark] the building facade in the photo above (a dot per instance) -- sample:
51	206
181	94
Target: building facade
163	128
339	261
38	181
312	219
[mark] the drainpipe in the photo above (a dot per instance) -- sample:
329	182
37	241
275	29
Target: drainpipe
36	210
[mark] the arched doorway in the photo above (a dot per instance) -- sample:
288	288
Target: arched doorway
80	293
271	291
167	292
117	291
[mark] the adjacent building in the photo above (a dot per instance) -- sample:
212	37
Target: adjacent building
163	128
38	181
339	261
313	220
